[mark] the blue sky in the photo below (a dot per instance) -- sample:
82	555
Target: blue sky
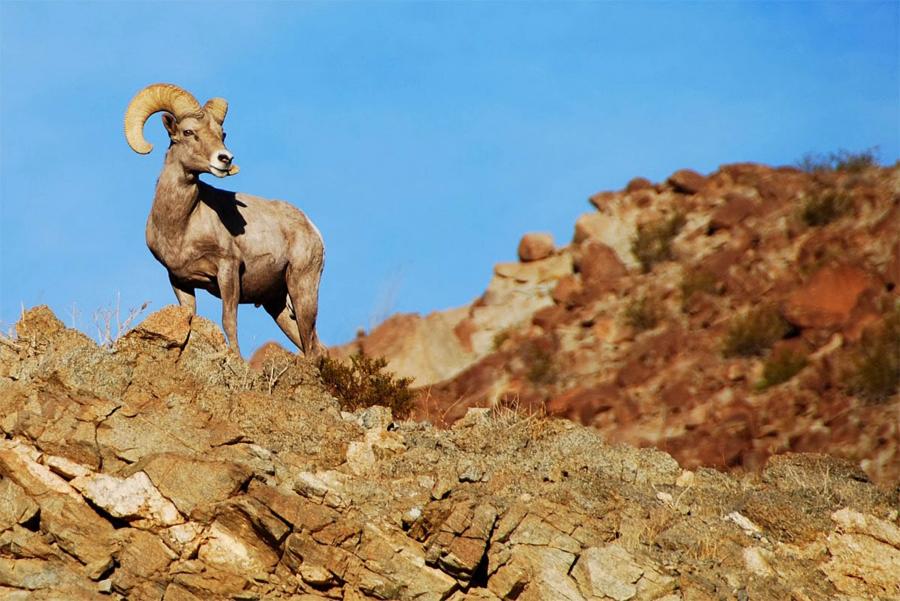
423	138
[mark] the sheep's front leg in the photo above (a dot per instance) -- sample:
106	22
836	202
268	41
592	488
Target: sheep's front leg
230	288
184	295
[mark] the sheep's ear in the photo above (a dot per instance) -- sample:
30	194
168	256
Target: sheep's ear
170	122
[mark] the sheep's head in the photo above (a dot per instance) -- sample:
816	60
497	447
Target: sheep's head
195	132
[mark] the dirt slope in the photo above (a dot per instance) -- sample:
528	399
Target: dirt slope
164	468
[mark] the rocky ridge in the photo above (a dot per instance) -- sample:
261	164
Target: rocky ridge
165	468
626	328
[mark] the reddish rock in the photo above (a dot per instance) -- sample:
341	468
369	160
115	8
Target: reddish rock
534	247
687	181
550	317
736	209
266	353
601	199
827	300
599	266
568	290
583	404
639	183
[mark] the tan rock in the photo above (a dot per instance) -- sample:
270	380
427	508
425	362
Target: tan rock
168	327
865	555
55	579
143	557
549	269
614	230
233	544
534	247
611	572
65	517
133	498
459	544
15	506
190	481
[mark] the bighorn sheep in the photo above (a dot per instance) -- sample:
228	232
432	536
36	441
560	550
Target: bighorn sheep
240	248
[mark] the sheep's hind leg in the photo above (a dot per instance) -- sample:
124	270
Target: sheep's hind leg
303	288
282	315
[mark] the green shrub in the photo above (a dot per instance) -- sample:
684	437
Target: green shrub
642	314
653	242
781	366
876	370
826	206
364	383
755	332
697	280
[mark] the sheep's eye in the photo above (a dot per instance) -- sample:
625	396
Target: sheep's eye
224	135
188	133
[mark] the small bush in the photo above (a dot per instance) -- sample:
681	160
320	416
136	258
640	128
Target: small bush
499	338
842	160
697	280
876	370
653	243
542	368
826	206
364	383
755	332
642	314
781	366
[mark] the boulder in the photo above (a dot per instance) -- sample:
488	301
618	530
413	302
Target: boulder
828	298
687	181
190	481
133	498
534	247
639	183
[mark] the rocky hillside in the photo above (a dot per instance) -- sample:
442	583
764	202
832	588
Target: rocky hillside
720	318
165	468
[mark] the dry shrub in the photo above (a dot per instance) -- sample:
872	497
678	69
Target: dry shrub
876	366
364	383
653	243
695	281
643	314
781	366
826	206
755	332
542	368
842	160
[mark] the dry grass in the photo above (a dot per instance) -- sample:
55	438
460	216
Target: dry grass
111	324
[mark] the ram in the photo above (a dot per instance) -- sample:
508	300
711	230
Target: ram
239	247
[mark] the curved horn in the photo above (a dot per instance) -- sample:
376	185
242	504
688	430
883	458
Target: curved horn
218	108
152	99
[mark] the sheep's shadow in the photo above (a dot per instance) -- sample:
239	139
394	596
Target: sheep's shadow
226	205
